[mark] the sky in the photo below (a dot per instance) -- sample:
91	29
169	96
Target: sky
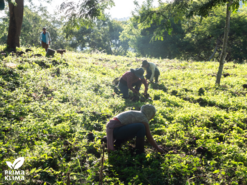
122	8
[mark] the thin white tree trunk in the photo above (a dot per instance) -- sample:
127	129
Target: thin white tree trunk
223	53
215	49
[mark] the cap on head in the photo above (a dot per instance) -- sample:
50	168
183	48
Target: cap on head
44	28
144	62
138	72
148	110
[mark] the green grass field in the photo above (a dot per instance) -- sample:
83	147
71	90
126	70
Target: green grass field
49	105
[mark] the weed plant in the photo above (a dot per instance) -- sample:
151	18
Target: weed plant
49	105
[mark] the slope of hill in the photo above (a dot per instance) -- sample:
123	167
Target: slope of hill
49	106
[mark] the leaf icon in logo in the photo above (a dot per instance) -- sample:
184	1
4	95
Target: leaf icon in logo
9	164
18	163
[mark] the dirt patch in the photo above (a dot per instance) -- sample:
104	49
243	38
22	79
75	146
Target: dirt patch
174	92
226	74
159	87
29	50
201	91
37	55
245	86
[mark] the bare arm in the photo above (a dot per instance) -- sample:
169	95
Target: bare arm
129	84
150	138
144	81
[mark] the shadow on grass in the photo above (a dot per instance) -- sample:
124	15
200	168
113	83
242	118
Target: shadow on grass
159	87
135	169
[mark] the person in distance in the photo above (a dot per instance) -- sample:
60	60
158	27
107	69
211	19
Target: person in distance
152	71
130	124
45	39
132	78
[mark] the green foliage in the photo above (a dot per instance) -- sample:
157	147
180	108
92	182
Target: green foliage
46	116
103	35
84	12
193	38
204	35
172	46
202	8
32	27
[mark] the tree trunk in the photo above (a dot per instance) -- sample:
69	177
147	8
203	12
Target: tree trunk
223	53
215	49
15	22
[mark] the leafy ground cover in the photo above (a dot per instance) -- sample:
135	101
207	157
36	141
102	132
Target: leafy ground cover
49	107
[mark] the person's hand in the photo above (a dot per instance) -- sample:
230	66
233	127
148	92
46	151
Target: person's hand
136	92
160	150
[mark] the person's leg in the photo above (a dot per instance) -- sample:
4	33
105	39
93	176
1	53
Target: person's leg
139	145
156	78
148	75
157	73
130	131
124	90
46	47
43	45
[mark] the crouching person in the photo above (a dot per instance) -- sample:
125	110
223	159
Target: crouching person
130	124
132	78
152	71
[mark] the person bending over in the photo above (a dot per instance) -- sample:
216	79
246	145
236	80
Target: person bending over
132	78
130	124
152	70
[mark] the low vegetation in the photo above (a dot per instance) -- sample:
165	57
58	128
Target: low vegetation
50	106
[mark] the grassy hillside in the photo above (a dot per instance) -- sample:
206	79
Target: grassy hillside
49	105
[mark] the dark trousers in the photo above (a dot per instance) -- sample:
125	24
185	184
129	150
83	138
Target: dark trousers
129	131
156	74
44	45
125	90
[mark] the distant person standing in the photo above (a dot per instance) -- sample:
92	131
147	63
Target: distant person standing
45	39
152	71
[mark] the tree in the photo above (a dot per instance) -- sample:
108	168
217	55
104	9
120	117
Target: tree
203	10
102	35
172	45
223	52
190	8
15	22
16	8
32	26
115	29
83	12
